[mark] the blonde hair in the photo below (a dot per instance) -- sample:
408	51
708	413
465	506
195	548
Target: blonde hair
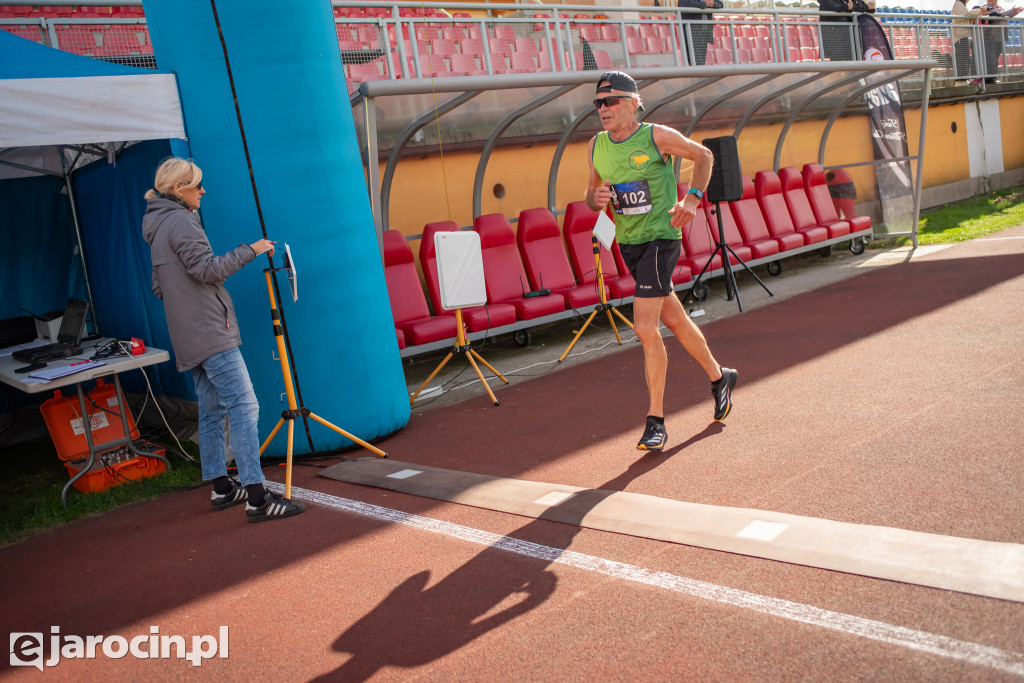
175	171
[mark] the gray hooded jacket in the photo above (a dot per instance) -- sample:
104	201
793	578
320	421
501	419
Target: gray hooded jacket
189	279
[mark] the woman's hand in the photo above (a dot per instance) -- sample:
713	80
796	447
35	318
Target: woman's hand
263	247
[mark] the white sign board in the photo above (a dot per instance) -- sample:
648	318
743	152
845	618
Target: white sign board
460	269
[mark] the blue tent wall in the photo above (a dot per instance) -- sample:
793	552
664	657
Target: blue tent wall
110	209
39	264
297	122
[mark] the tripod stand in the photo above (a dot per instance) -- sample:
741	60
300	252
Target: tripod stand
725	250
462	346
294	410
603	306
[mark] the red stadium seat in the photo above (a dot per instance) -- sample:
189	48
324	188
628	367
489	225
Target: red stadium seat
465	65
408	305
824	205
732	232
547	266
577	229
750	221
700	238
768	189
522	63
801	212
476	318
504	273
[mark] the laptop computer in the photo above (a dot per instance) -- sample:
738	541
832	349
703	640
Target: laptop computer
69	337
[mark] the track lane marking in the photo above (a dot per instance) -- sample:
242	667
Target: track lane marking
921	641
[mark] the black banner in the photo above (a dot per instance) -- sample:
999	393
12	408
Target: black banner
888	132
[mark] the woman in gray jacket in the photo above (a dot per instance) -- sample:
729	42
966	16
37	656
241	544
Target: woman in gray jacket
205	338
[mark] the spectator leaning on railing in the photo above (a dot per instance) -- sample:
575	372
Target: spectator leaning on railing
836	40
963	40
994	18
701	30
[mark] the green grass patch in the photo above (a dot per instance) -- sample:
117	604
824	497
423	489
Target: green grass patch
972	218
965	220
32	478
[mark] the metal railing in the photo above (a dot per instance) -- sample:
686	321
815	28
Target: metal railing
422	40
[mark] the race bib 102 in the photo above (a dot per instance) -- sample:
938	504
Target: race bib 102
632	198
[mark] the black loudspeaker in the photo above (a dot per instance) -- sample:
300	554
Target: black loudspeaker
726	184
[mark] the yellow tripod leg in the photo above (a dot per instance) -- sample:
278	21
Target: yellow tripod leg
351	437
578	335
489	366
273	433
624	318
288	461
614	328
412	399
483	381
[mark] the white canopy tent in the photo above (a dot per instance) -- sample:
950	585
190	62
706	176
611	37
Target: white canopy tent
50	98
59	111
89	109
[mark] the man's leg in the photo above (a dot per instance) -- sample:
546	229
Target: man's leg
646	316
690	336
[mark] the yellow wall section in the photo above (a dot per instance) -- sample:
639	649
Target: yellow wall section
945	152
1011	113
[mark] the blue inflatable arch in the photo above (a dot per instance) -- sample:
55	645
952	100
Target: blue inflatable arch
296	124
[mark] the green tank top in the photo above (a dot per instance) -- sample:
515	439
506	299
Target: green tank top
643	186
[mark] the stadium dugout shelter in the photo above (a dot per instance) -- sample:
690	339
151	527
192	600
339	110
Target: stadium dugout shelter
397	117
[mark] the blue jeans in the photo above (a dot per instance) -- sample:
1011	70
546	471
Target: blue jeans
223	387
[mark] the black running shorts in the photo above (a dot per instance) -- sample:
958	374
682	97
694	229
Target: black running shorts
651	265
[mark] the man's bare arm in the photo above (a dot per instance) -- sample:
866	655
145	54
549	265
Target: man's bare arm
671	141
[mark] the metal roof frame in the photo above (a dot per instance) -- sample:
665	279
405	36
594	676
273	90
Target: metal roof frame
828	80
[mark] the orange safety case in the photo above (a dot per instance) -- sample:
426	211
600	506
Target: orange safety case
111	467
115	467
64	420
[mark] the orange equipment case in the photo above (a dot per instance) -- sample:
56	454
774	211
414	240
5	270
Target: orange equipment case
110	468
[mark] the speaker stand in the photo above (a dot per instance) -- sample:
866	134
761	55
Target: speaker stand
725	250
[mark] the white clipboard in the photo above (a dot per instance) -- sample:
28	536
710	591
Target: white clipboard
289	267
604	230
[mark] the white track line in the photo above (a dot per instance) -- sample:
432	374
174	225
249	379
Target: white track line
972	653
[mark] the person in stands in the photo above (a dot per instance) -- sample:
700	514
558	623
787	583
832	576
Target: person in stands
189	278
700	29
963	41
631	169
993	18
836	40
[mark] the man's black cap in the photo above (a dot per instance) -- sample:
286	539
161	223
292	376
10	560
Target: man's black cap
616	80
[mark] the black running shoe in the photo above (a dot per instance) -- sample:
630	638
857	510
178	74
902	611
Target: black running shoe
274	507
222	501
722	391
654	437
